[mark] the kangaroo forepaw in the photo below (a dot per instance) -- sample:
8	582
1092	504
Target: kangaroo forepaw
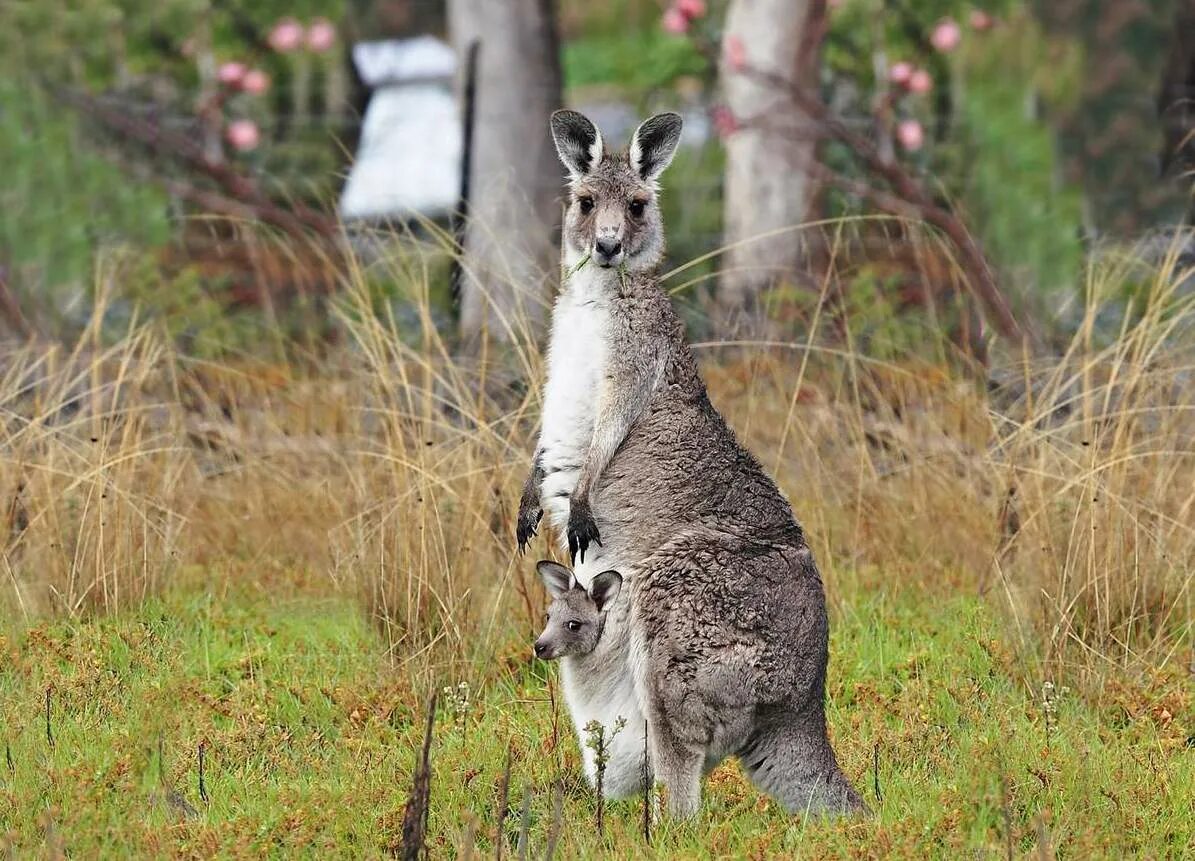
582	530
529	518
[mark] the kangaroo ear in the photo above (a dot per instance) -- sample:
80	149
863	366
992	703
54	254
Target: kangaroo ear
557	579
654	144
578	142
604	588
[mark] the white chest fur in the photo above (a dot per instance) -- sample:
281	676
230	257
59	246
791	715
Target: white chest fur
576	364
598	687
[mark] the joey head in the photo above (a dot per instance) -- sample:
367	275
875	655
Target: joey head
576	615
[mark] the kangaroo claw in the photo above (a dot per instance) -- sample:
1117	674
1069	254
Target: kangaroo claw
582	530
526	529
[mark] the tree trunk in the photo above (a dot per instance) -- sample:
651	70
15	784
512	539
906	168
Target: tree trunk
769	186
1174	101
510	247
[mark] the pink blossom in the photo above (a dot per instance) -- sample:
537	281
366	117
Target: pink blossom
321	35
243	135
946	35
286	36
736	53
691	9
900	73
674	21
725	122
920	82
910	135
231	74
981	20
255	82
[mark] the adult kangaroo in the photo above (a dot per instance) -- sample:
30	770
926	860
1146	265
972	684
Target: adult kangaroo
724	646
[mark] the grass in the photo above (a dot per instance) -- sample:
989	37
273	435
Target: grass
279	558
311	737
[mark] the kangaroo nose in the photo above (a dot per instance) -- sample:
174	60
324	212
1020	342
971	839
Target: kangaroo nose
540	648
608	248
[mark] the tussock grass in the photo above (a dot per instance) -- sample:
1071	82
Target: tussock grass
1053	499
1062	491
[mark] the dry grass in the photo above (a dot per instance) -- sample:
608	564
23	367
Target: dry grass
1065	495
1064	492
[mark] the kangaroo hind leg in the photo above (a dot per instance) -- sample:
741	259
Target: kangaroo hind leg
678	766
790	759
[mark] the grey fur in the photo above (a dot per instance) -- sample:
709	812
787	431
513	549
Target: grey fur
723	629
576	615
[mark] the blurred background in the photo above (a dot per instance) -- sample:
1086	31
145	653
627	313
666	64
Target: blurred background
275	277
180	139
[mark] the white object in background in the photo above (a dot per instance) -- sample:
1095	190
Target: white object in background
408	161
397	60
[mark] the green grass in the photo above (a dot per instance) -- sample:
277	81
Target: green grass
634	61
311	738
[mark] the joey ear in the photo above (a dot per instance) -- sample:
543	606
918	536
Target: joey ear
557	579
654	144
578	142
604	588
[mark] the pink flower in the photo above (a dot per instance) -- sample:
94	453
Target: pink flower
910	135
725	122
691	9
981	20
736	53
920	82
321	35
674	22
255	82
231	74
243	135
946	35
900	73
286	36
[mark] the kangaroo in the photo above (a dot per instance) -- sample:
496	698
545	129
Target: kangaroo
596	683
576	615
724	645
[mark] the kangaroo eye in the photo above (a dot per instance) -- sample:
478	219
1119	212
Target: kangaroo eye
574	625
637	207
586	205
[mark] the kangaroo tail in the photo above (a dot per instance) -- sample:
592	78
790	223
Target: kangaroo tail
790	758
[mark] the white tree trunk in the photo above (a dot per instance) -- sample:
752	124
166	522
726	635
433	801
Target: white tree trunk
768	183
510	250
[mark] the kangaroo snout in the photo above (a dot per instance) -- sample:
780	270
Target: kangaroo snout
608	251
542	649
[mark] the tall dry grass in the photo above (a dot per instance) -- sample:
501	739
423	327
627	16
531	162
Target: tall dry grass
389	470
